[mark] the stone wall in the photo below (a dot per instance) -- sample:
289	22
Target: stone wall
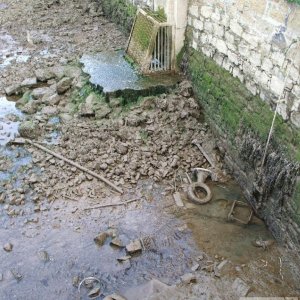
252	40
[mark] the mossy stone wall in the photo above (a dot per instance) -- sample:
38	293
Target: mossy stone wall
242	121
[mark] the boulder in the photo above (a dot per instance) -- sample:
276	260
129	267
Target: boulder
30	107
103	111
134	247
44	74
29	129
49	110
29	82
53	99
86	109
13	89
39	93
63	85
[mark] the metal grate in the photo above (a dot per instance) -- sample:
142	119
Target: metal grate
162	52
150	44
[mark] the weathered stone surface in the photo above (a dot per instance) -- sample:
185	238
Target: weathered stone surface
8	247
240	288
12	89
63	85
134	247
101	238
39	93
30	108
29	82
188	278
29	129
44	74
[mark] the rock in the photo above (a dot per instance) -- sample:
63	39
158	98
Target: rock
134	246
8	247
65	118
222	264
114	297
185	89
29	82
49	110
33	178
72	71
16	275
195	267
63	85
51	99
123	258
39	93
178	200
75	281
121	148
58	72
103	112
30	107
117	242
12	89
44	74
94	292
87	108
100	238
240	287
188	278
43	256
29	129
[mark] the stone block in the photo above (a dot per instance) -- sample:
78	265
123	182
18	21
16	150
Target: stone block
276	85
221	46
255	58
193	10
233	57
236	28
295	118
208	27
278	58
283	111
198	25
218	30
267	65
206	11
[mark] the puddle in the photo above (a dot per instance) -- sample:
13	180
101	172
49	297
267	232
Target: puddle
112	72
9	120
216	235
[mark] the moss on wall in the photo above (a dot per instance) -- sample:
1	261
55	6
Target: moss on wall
243	122
232	107
120	12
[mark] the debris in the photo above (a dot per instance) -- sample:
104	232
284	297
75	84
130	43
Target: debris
134	246
263	244
114	297
43	256
63	85
240	287
188	278
177	199
241	204
8	247
95	292
195	267
113	204
101	238
117	242
222	264
195	142
76	165
88	282
124	258
16	275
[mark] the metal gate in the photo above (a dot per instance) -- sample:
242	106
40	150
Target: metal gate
162	52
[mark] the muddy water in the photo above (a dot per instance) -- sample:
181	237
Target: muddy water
9	120
173	239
